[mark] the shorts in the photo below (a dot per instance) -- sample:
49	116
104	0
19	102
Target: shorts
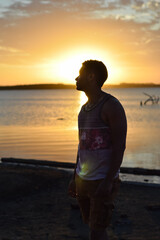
96	212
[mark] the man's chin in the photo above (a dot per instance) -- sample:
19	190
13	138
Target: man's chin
79	88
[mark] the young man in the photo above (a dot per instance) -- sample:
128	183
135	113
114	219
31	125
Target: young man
102	138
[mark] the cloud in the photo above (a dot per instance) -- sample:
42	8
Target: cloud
25	8
9	49
8	53
11	8
138	5
154	5
125	2
45	24
136	10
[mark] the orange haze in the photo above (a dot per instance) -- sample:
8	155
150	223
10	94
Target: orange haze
46	41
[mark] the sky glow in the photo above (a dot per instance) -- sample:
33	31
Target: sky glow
45	41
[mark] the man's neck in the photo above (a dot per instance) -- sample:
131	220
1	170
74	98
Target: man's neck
94	96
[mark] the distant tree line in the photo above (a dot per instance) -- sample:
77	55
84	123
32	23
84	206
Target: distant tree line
71	86
133	85
38	87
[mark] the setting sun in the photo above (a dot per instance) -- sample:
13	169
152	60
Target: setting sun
66	68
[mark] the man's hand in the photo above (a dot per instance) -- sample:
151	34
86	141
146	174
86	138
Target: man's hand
72	189
104	189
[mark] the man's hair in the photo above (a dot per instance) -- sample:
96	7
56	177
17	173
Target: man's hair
98	68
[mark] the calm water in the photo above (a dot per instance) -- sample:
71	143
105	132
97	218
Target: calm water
42	124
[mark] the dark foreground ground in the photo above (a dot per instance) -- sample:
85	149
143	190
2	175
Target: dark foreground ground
34	205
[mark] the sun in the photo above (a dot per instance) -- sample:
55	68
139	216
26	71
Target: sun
68	68
69	65
65	68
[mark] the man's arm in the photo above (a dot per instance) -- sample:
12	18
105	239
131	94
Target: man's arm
74	173
72	184
113	115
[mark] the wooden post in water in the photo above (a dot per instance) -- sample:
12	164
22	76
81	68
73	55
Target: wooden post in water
154	99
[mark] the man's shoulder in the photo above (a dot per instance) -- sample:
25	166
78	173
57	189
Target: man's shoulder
113	111
112	103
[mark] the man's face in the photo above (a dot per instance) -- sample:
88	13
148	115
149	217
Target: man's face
81	80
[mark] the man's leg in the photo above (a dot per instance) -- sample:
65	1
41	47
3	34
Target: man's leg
98	235
82	198
101	212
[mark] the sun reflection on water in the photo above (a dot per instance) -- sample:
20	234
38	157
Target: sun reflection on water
82	99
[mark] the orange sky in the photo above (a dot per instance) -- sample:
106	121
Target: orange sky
45	41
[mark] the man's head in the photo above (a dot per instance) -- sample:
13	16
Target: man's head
93	73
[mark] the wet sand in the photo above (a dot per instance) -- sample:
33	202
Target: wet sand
34	205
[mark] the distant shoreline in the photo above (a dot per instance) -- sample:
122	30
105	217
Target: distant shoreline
70	86
68	165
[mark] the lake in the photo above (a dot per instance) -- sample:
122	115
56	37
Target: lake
42	125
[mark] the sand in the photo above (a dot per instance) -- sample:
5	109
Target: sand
34	205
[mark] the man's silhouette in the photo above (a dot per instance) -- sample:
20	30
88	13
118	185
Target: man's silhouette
102	138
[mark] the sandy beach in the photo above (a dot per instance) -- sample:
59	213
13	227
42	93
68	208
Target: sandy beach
34	205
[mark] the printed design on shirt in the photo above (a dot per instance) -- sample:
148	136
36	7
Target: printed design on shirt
94	139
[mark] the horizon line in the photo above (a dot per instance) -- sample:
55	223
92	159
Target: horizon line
60	83
71	86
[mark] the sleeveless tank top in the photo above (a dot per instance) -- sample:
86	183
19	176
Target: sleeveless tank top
95	145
